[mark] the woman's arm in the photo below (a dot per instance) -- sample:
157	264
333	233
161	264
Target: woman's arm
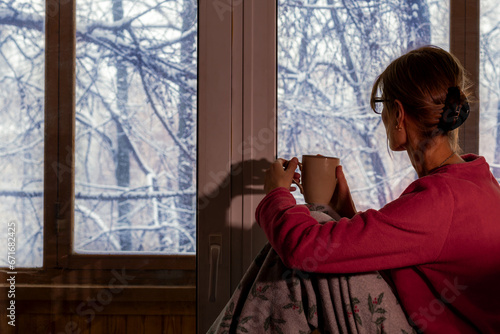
408	231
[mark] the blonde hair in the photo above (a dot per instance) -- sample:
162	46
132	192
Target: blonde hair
420	80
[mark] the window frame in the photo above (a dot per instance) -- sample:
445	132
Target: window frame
65	276
174	275
60	163
238	53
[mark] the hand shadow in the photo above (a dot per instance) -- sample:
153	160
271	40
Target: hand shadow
244	178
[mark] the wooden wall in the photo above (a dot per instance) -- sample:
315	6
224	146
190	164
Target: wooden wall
88	316
37	317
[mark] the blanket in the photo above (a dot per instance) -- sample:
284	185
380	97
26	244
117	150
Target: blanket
272	298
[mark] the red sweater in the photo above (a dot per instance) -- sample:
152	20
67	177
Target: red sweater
439	243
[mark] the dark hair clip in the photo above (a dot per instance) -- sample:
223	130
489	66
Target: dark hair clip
454	112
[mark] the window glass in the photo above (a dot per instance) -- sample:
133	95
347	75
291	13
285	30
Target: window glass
489	89
329	54
22	59
136	126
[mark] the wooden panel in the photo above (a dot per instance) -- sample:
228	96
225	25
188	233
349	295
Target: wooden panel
182	296
48	323
34	323
99	325
113	308
82	326
153	324
117	324
167	279
172	325
24	324
135	324
151	261
4	327
43	324
60	323
188	325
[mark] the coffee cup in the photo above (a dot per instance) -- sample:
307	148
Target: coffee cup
318	178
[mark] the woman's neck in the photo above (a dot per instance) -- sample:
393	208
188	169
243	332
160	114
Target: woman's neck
437	153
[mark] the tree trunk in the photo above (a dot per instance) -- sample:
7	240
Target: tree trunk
122	169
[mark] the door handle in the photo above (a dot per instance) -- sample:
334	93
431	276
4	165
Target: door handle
215	242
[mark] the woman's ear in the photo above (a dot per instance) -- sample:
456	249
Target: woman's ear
397	133
400	115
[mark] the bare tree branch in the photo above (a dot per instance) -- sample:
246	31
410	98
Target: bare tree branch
102	196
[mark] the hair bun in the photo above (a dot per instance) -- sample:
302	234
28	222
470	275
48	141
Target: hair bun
455	111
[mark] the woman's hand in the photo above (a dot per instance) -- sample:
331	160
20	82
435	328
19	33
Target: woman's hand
341	200
281	174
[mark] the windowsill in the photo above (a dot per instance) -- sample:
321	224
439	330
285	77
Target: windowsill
123	284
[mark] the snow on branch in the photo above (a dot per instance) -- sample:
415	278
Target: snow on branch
128	51
119	25
112	196
183	36
102	196
20	193
20	19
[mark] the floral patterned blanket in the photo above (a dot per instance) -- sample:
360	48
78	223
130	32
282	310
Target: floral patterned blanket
272	298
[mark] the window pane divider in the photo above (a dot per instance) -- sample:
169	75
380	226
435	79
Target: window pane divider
464	44
51	166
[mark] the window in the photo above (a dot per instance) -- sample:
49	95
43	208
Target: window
130	189
22	48
329	54
135	163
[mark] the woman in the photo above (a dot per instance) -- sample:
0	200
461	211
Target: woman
438	244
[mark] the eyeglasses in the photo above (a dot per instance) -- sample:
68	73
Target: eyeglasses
379	105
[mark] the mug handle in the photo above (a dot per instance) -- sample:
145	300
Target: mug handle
298	185
293	180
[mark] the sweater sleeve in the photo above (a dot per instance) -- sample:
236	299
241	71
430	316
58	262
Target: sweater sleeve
408	231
